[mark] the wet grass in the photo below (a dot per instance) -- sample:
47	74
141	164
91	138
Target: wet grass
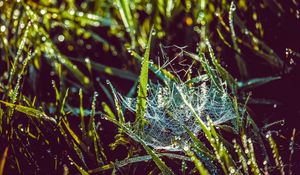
64	65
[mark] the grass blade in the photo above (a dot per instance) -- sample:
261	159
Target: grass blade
29	111
142	89
255	82
3	160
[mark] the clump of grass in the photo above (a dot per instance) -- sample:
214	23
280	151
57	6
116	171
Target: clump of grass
53	64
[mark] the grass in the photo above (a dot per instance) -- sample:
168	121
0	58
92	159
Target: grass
65	64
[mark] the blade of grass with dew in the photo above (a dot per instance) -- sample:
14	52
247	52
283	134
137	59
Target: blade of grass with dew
71	142
241	156
223	72
239	124
117	103
93	135
266	53
81	110
79	168
19	52
202	151
221	146
106	92
255	82
275	152
248	145
57	94
128	20
107	69
143	85
198	144
210	72
270	56
13	93
205	64
74	143
199	165
257	135
240	62
62	109
29	111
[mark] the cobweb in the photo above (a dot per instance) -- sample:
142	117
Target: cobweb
173	59
167	114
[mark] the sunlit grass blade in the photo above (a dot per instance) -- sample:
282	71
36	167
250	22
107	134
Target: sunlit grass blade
241	156
240	62
93	134
143	85
29	111
19	52
275	152
79	168
81	111
117	103
108	110
223	73
199	165
128	20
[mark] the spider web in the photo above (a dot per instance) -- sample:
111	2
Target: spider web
173	59
167	115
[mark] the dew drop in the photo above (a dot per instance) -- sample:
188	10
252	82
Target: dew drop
153	32
232	6
2	28
60	38
71	11
43	11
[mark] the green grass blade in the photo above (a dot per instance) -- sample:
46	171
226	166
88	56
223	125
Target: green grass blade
142	88
199	165
252	83
3	160
79	168
29	111
128	20
117	103
81	110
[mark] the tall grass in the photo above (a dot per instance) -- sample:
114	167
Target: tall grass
59	116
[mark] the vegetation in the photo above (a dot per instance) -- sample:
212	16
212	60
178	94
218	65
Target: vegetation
131	87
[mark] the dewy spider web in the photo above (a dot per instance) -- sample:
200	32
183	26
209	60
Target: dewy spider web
167	114
177	64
